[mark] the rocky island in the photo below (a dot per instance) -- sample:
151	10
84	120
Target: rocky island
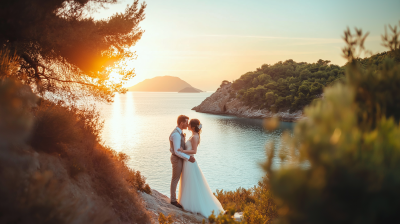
222	102
281	90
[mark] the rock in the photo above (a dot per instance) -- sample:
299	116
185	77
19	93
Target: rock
221	102
157	202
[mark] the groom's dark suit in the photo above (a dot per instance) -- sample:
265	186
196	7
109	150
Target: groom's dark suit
176	140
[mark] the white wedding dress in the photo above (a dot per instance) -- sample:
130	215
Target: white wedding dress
194	193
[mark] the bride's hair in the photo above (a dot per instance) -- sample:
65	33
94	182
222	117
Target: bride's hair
194	123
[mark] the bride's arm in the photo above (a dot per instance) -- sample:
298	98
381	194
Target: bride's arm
195	143
184	151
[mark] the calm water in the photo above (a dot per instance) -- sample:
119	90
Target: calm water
231	148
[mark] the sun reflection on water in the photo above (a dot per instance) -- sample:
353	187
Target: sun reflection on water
231	148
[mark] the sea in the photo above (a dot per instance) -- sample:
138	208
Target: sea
231	148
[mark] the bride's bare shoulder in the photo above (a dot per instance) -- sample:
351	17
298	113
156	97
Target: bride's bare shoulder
196	137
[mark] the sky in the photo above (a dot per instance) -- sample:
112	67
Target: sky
208	41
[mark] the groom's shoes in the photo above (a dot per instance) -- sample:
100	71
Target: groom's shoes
176	204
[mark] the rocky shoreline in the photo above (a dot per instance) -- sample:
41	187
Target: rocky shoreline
157	203
221	102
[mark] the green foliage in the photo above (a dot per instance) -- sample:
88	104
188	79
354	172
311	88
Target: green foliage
226	218
263	210
256	203
139	181
65	51
165	220
225	82
343	163
286	85
292	85
239	198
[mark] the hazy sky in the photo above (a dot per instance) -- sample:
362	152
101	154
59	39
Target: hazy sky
205	42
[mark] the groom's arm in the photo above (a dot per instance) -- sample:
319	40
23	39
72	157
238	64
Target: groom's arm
176	139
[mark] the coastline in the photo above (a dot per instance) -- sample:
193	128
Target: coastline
156	203
284	119
221	102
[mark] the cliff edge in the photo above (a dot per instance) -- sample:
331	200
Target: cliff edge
224	102
157	203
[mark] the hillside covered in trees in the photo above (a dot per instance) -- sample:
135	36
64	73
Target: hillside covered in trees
286	85
293	85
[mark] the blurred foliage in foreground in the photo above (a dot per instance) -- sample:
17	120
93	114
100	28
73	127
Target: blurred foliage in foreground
53	168
343	164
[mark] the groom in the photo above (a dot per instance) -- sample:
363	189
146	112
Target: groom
176	141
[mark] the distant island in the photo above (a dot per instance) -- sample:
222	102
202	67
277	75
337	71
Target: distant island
190	90
163	84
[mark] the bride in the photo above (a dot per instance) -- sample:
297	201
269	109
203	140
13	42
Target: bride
194	193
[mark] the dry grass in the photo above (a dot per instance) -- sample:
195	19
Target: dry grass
72	135
257	204
28	195
57	125
90	183
238	199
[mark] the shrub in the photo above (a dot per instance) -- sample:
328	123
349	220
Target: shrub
8	64
16	120
226	218
344	162
57	125
239	198
165	220
74	135
40	197
256	203
110	175
28	196
139	181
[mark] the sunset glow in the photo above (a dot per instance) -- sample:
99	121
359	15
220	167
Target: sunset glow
206	42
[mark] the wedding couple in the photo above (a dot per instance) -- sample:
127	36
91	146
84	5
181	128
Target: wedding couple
194	193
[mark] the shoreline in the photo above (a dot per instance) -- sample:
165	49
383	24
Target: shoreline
222	102
253	117
156	203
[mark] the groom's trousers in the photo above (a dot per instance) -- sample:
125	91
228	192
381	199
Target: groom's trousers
177	164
